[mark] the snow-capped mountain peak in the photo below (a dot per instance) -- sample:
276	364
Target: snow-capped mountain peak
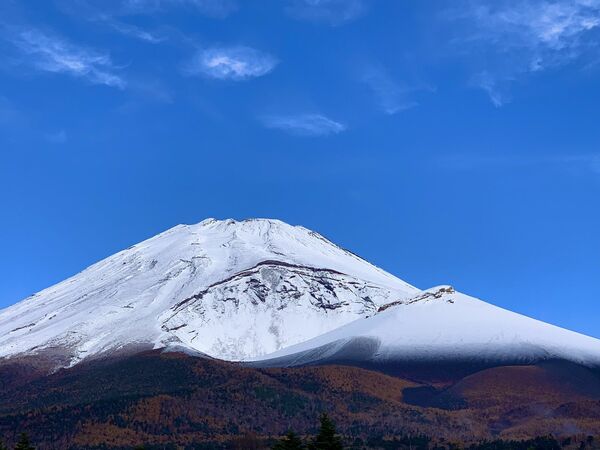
230	289
263	290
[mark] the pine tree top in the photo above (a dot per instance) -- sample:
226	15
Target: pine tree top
327	439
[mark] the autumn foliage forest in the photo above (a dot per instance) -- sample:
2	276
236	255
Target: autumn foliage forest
175	401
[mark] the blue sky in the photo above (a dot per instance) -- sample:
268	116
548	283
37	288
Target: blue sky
447	142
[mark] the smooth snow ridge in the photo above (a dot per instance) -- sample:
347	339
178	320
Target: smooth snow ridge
230	289
441	324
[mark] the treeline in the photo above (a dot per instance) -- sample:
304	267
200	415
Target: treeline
327	438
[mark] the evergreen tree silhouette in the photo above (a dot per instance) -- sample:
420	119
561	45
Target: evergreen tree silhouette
23	443
291	441
327	439
2	446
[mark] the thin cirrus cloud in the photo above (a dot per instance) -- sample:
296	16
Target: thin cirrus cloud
111	13
526	36
231	63
107	14
132	31
496	88
308	125
330	12
49	53
391	96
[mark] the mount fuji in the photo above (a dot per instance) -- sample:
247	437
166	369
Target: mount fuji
271	294
228	289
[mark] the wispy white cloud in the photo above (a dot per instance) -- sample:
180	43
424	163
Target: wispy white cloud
495	88
109	14
549	32
392	96
211	8
304	124
49	53
132	30
521	37
331	12
231	63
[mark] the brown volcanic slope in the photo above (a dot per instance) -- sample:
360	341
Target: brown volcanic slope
168	397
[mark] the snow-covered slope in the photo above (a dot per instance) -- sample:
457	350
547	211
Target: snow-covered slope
437	326
264	291
230	289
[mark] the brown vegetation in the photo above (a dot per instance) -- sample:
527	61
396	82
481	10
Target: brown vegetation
173	398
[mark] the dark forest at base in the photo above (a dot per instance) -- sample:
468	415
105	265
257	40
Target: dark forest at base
175	401
327	438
